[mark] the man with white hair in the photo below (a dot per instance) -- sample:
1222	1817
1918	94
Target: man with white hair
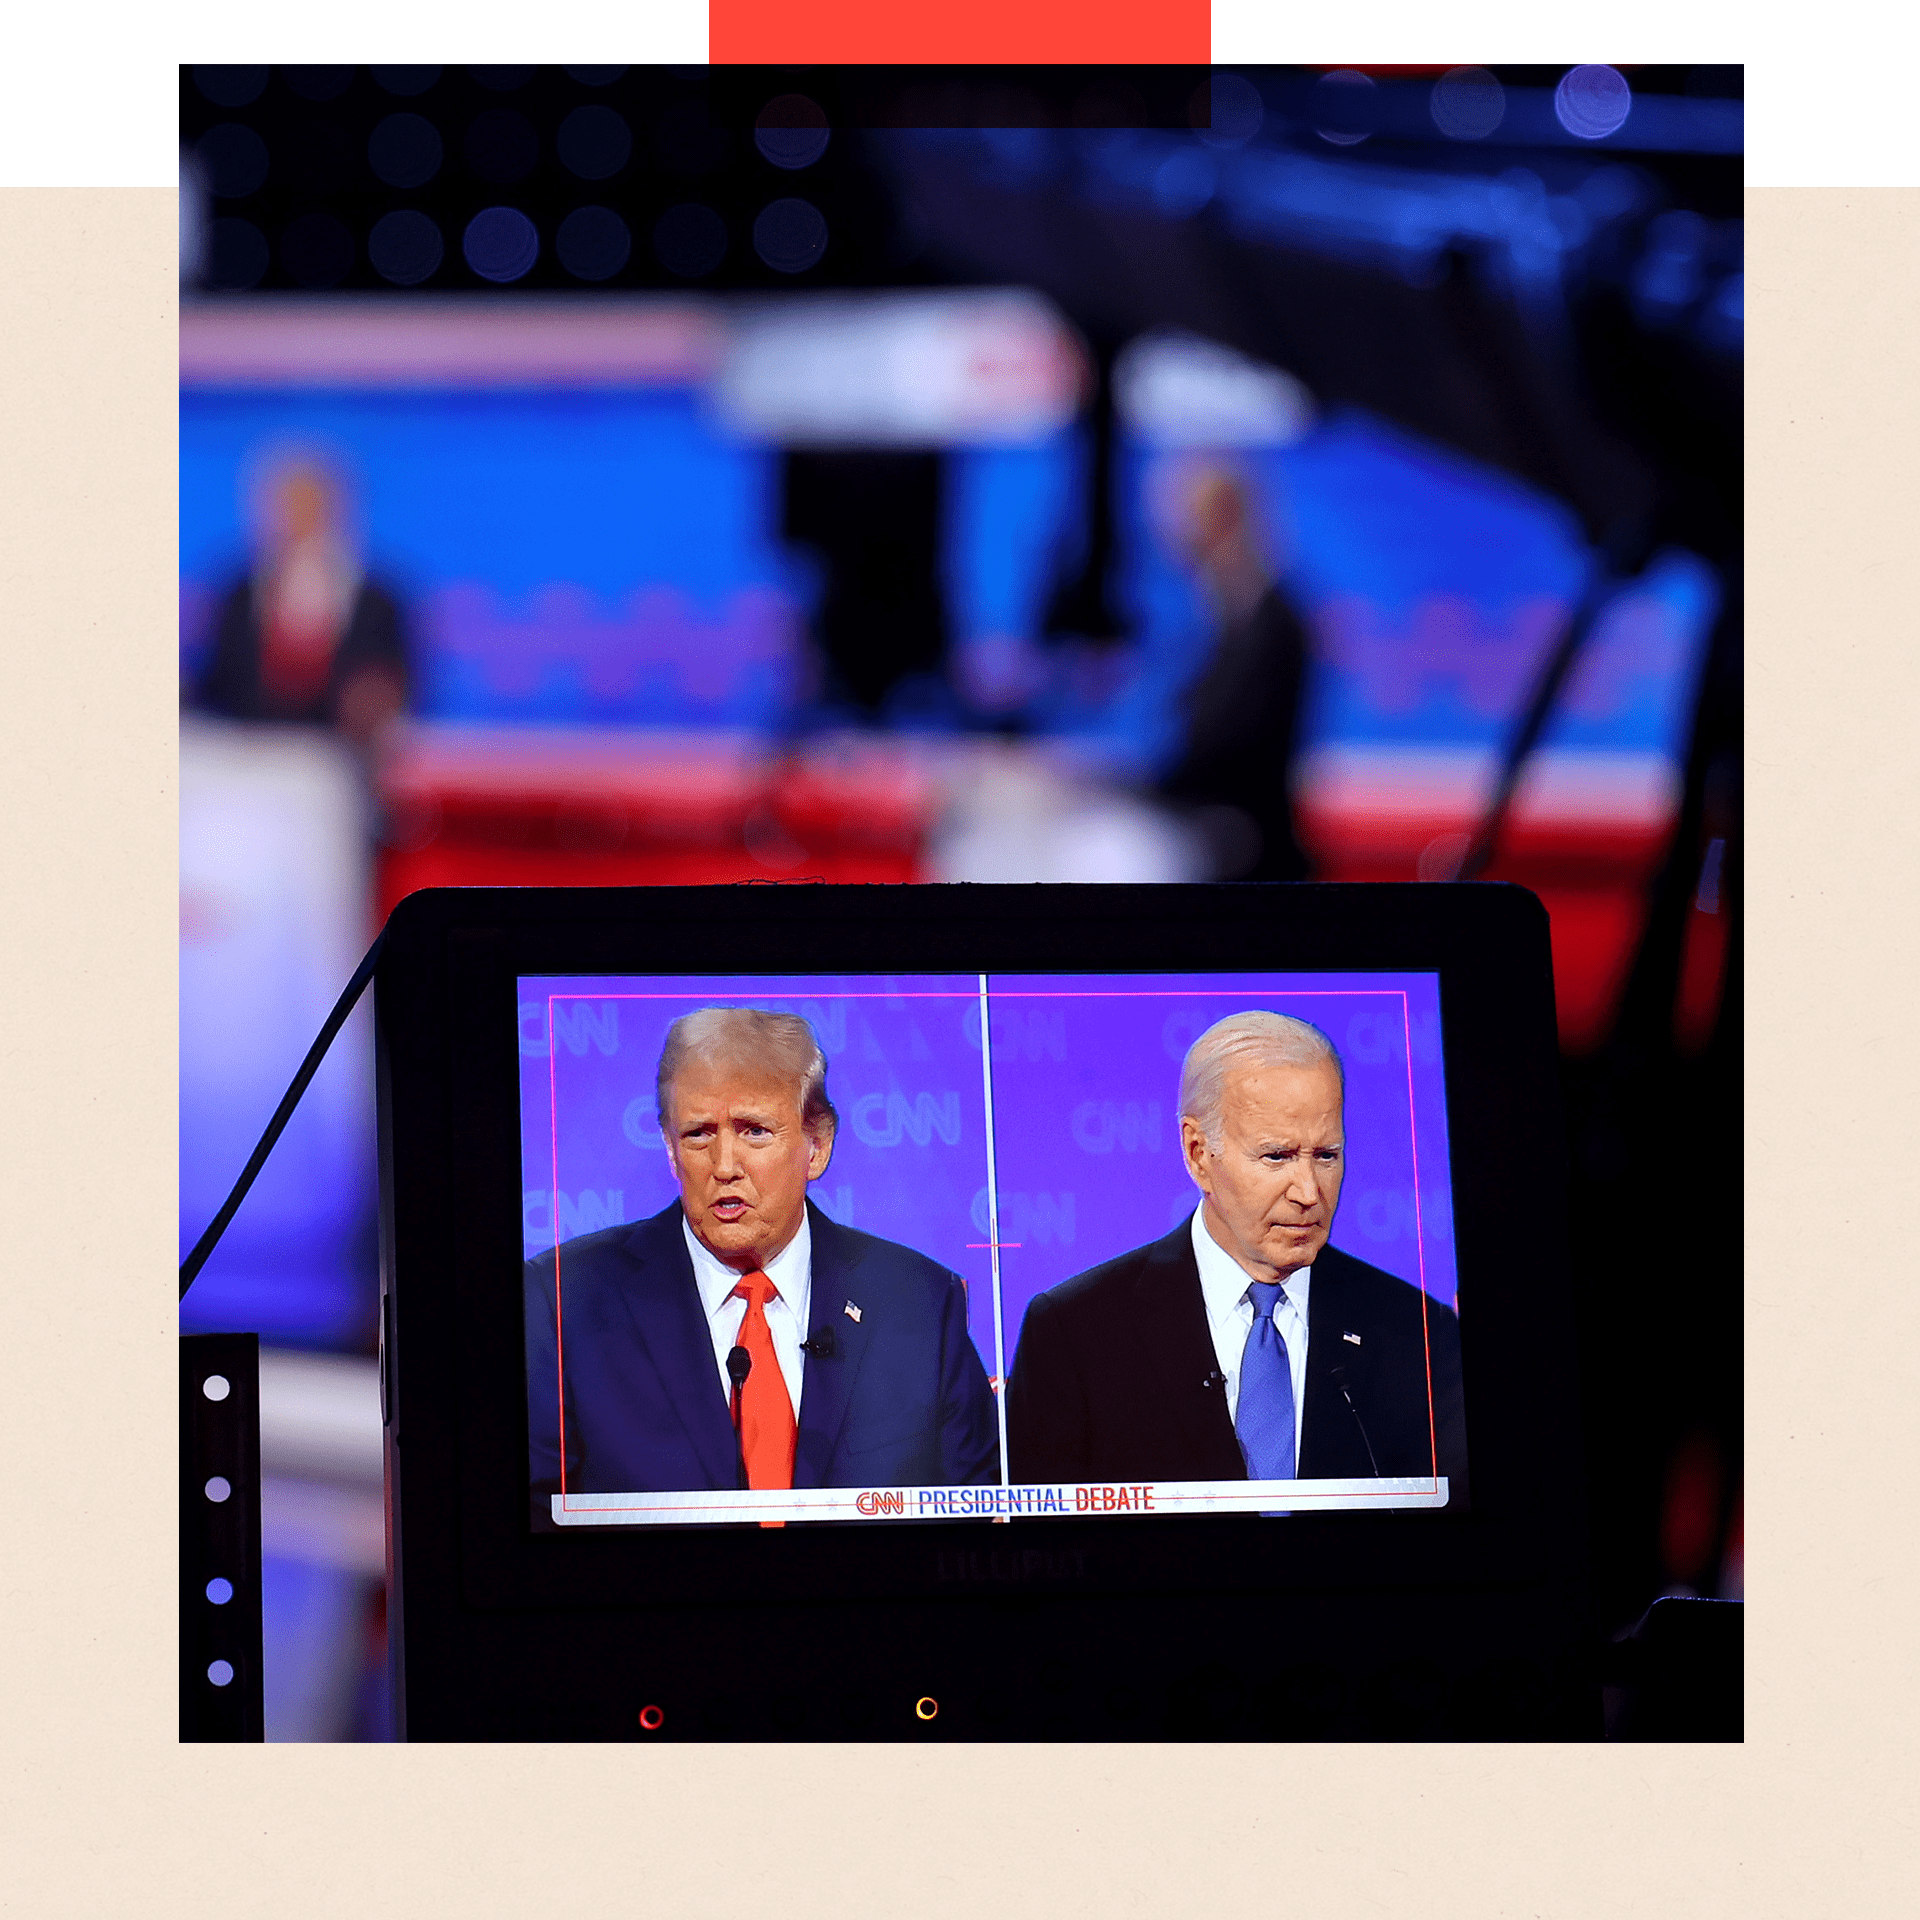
1242	1345
741	1337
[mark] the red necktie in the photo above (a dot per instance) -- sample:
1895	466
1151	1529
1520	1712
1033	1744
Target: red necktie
766	1414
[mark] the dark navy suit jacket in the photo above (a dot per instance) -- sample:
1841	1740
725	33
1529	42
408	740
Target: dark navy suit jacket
1115	1377
902	1401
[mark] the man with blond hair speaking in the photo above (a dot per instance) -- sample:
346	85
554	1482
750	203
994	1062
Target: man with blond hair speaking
1243	1346
740	1336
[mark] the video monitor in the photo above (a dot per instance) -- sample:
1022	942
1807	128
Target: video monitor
967	1285
942	1246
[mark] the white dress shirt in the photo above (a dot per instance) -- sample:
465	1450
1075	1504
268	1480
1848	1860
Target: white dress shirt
791	1271
1223	1285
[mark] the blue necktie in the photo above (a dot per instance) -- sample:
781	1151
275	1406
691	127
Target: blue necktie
1264	1418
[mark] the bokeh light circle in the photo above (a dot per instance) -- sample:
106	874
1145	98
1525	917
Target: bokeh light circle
1344	104
501	244
501	79
593	243
595	76
594	142
404	150
219	1590
233	160
318	83
1467	103
405	247
220	1672
791	132
690	240
790	235
1227	110
230	86
1592	102
406	81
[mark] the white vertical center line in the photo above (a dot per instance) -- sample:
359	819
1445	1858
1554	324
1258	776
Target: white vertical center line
993	1235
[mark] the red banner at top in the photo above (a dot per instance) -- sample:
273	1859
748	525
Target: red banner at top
1012	32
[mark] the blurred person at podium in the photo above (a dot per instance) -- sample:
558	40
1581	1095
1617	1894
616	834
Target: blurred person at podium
305	636
1241	716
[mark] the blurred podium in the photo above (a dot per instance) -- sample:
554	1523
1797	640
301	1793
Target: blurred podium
619	807
273	918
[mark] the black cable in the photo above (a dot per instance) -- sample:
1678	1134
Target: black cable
191	1265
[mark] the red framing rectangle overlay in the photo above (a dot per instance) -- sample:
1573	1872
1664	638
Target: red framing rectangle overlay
987	32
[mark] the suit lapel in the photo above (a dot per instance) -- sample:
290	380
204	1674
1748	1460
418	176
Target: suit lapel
1330	1441
827	1385
1172	1322
664	1304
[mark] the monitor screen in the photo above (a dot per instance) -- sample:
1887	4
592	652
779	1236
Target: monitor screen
810	1248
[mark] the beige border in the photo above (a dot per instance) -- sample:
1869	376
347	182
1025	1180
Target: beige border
101	1812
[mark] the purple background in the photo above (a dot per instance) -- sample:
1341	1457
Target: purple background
1086	1073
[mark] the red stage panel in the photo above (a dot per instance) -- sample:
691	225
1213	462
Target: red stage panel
1587	833
469	806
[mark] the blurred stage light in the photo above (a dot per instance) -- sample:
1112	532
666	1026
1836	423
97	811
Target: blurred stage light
405	248
501	244
790	235
1227	110
1468	103
791	131
193	220
318	83
593	243
316	251
687	141
230	86
404	150
237	255
1184	182
405	81
501	79
690	240
1344	106
219	1590
593	142
501	146
1670	276
234	160
594	76
1723	323
1592	102
1175	390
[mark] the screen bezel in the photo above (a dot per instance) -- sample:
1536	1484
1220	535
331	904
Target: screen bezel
452	1247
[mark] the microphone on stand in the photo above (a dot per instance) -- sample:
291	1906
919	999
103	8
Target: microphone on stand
1340	1381
739	1365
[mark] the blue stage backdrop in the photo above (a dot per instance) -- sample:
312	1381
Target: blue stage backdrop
1086	1138
613	556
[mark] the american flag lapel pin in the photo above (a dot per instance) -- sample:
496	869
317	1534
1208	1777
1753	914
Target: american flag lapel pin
852	1313
1354	1337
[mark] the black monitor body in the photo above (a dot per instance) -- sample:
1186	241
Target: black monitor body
1352	1624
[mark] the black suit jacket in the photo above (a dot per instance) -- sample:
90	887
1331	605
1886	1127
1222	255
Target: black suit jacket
1115	1377
902	1400
229	679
